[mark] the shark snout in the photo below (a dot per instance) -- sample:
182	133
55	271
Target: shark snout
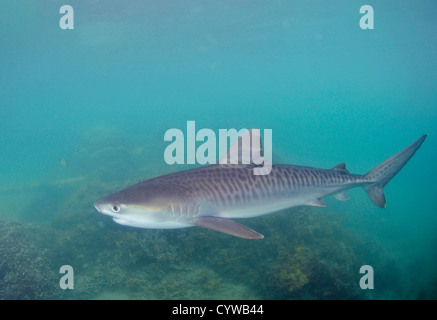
96	205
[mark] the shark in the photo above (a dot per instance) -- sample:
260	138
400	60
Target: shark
212	196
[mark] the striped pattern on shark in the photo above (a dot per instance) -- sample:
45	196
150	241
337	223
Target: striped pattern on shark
212	195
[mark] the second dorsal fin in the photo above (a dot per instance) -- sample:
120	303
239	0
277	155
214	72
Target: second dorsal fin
341	167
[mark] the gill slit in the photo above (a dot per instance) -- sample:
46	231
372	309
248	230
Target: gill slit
172	210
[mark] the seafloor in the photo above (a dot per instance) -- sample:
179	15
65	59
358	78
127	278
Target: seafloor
307	253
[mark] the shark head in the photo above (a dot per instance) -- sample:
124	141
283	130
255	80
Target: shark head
139	206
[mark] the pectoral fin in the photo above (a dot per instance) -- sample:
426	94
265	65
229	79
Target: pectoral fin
227	226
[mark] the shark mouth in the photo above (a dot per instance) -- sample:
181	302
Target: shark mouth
120	221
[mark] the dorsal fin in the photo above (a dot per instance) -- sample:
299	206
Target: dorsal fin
241	152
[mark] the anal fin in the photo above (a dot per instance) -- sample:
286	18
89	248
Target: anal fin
227	226
342	196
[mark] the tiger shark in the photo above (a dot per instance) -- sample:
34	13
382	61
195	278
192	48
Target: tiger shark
212	195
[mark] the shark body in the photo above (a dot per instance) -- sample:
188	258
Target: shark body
212	195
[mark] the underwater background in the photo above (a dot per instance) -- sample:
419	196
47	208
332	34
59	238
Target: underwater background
83	113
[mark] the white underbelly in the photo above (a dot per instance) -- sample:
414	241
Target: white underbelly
261	208
138	223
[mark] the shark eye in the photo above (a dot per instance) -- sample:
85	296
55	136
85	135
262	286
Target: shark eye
116	208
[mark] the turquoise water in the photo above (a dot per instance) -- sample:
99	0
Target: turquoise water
84	112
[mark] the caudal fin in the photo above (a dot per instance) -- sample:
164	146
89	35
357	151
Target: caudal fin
383	173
